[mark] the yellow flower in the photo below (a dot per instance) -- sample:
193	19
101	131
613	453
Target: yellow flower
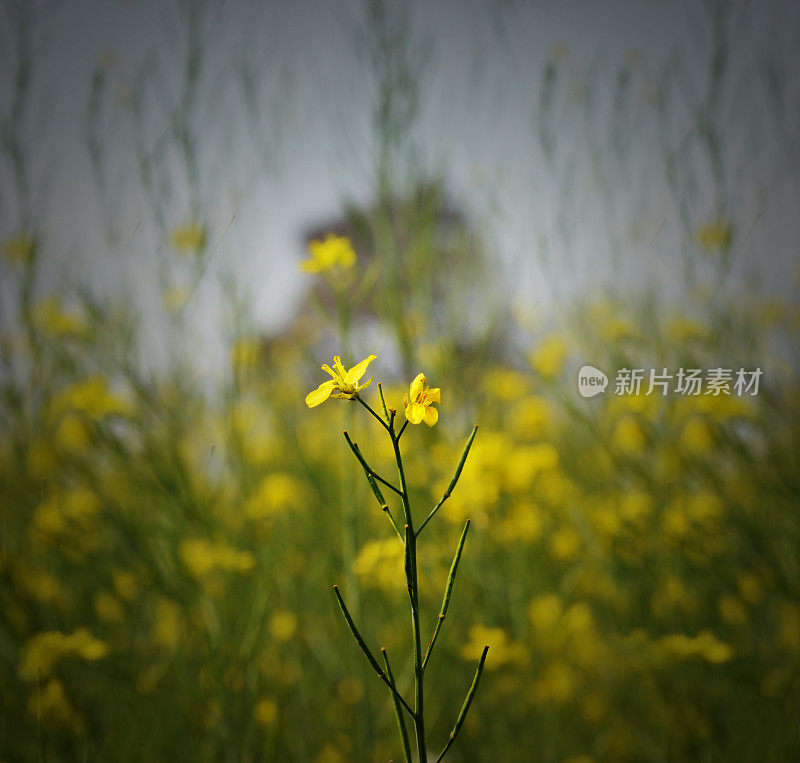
418	402
714	235
266	711
549	356
346	382
327	254
19	249
188	239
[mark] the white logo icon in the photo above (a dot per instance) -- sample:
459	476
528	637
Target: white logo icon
591	381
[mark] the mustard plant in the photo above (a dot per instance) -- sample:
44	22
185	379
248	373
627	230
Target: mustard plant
418	407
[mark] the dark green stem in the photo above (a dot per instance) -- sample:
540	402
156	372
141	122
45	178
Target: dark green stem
448	592
465	707
368	654
398	711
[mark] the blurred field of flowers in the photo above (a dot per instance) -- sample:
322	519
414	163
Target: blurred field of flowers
168	541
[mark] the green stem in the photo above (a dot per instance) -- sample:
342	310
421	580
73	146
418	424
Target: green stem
453	481
368	654
398	711
413	594
372	411
369	470
448	592
465	707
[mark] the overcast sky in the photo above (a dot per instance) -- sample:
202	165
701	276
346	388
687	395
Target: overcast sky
288	157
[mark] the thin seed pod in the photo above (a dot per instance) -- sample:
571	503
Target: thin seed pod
465	707
388	513
453	481
398	711
448	592
365	649
383	402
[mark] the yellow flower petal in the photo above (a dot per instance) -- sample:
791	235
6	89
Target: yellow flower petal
357	371
416	387
320	394
434	395
431	415
415	413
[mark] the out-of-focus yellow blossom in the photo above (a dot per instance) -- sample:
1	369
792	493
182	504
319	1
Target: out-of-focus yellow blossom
696	437
63	509
188	239
524	463
628	436
202	557
549	356
750	587
501	647
245	353
175	298
43	586
19	248
553	487
52	320
91	397
673	597
705	645
714	235
282	626
732	610
343	384
52	703
544	611
531	417
329	754
350	690
616	328
125	584
266	711
418	402
705	507
719	407
167	624
377	563
333	251
636	506
523	523
645	405
787	635
71	435
565	544
108	607
276	493
41	653
681	329
504	384
557	684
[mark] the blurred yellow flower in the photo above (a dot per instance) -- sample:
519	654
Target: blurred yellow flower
565	544
544	611
19	249
377	563
343	384
42	651
245	353
628	436
419	402
266	711
282	625
202	557
696	437
714	235
175	298
72	435
52	703
549	356
502	649
108	607
705	645
167	623
325	255
92	397
188	239
350	690
276	493
49	317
